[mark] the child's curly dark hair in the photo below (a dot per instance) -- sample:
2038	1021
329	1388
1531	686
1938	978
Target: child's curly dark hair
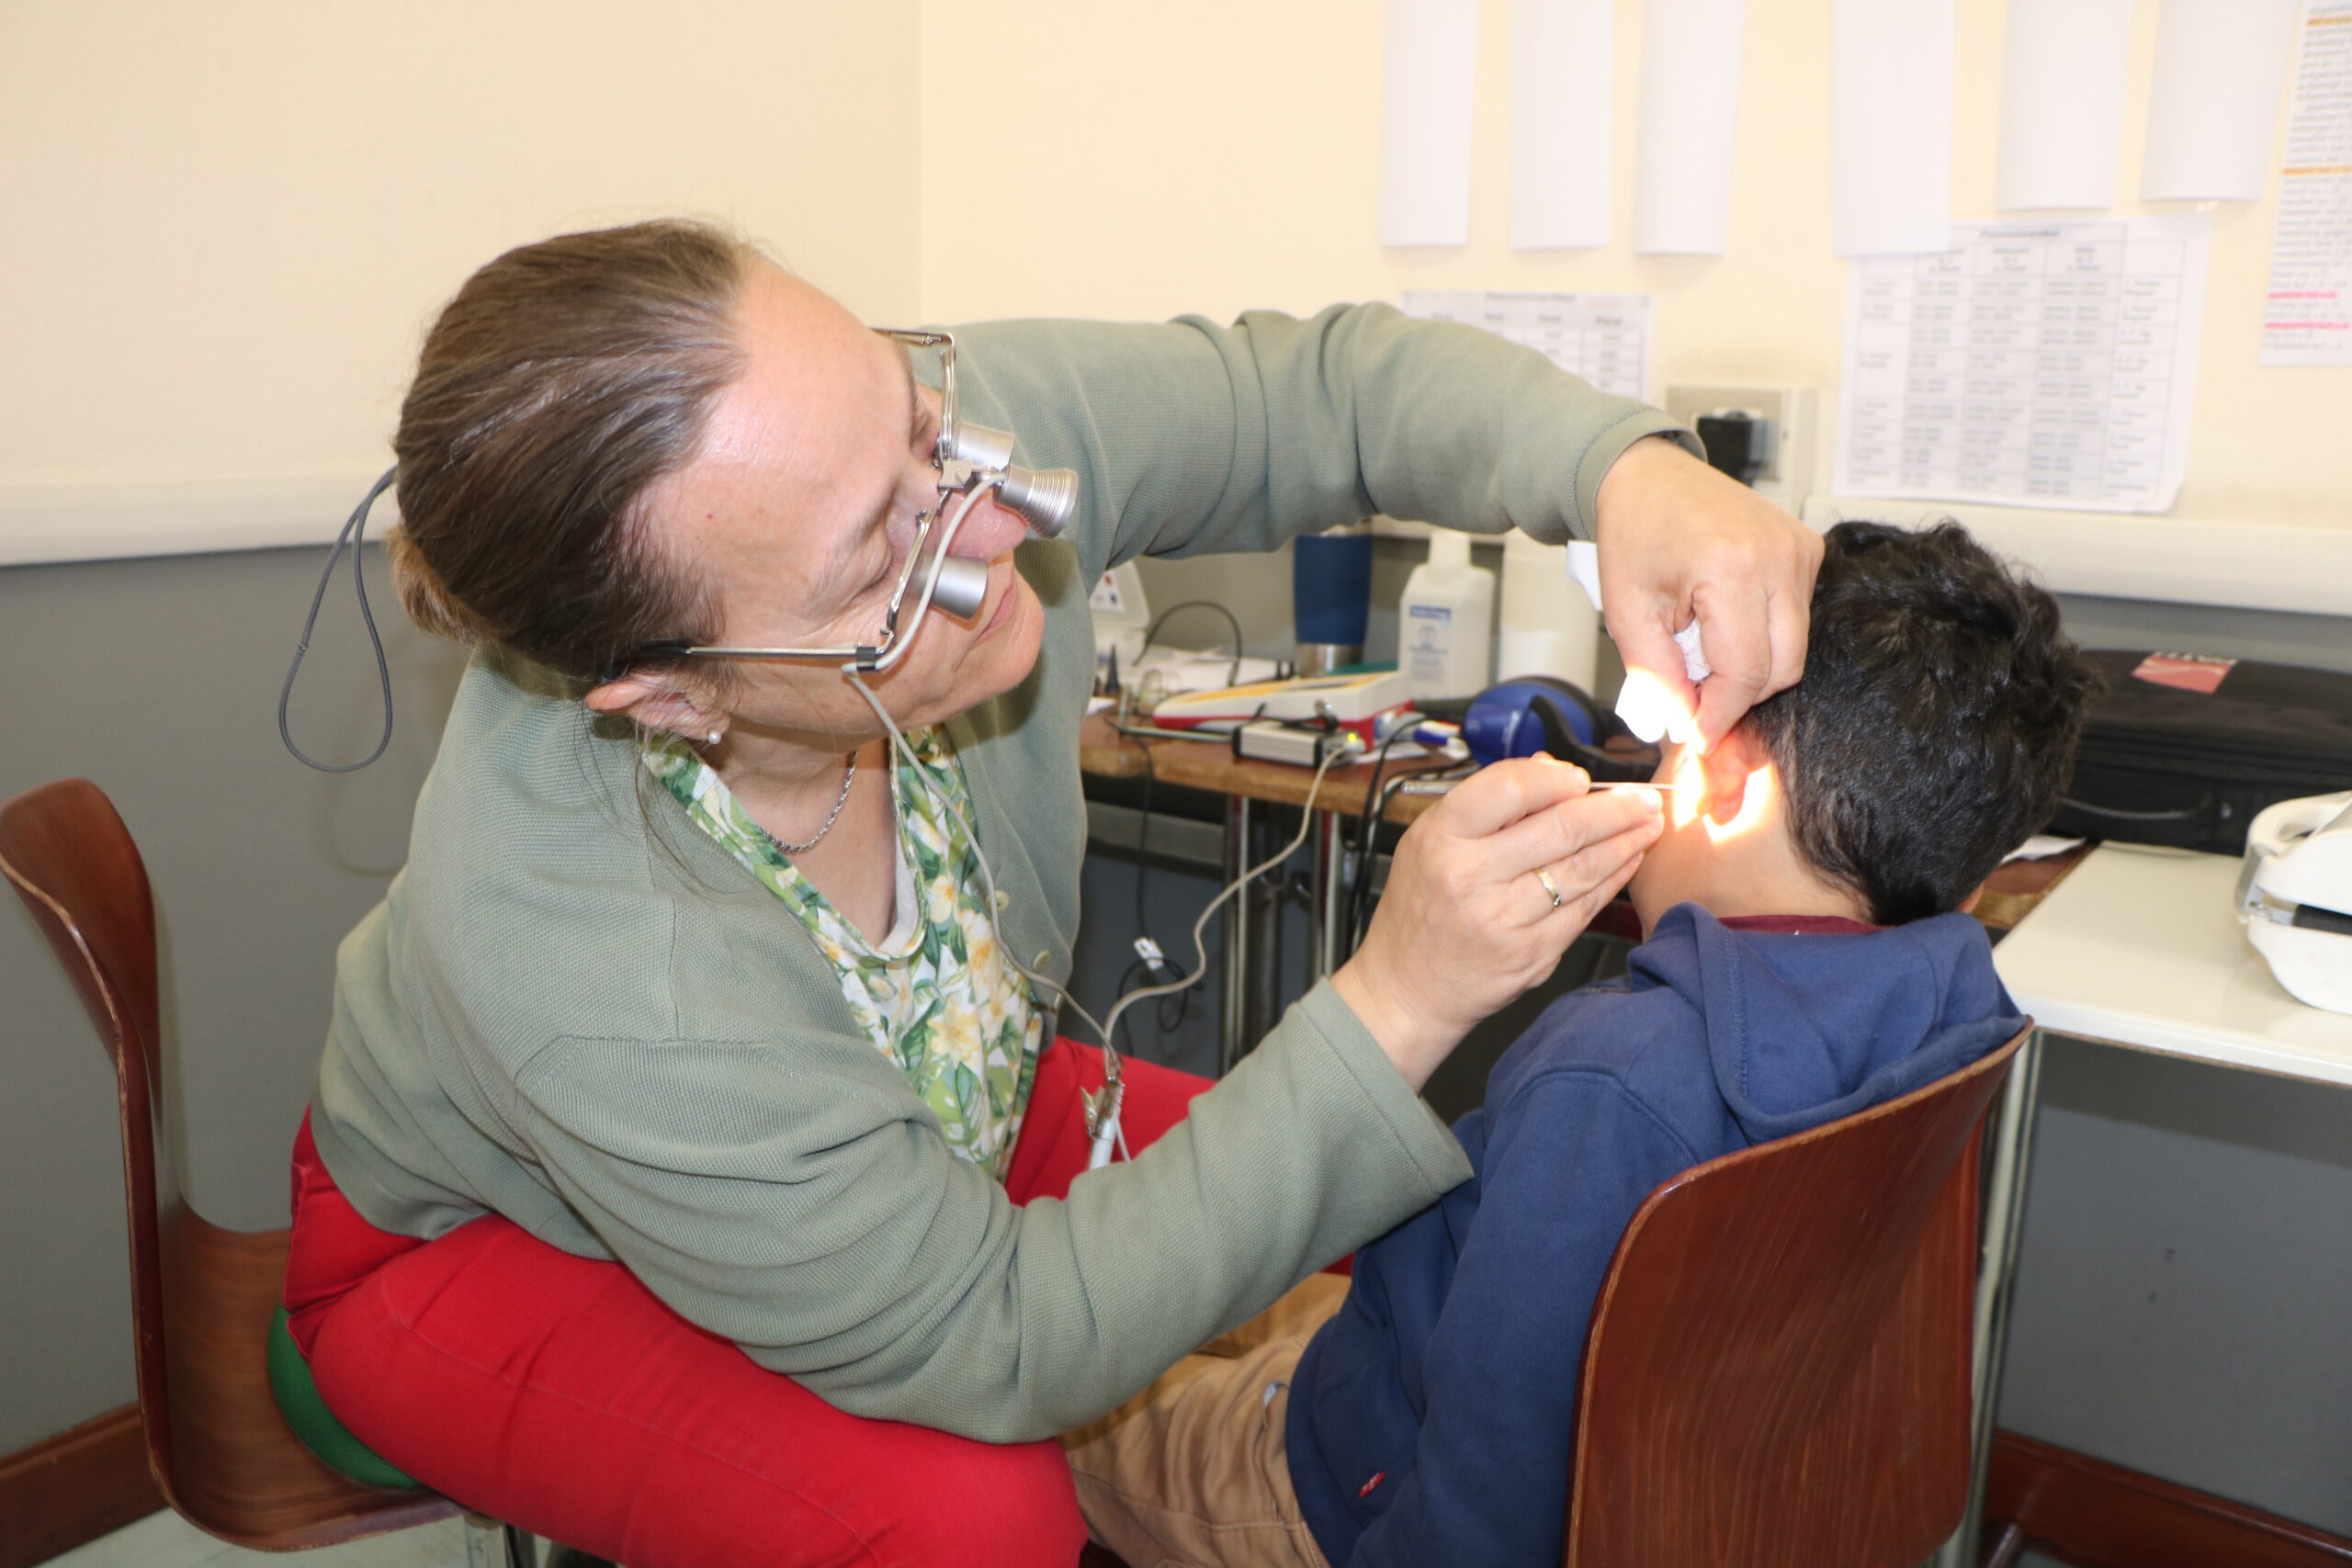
1935	727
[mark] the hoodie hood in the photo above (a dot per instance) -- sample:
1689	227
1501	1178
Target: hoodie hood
1803	1029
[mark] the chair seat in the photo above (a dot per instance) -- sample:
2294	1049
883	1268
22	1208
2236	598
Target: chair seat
248	1478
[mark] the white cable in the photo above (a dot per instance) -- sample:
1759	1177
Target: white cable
1200	927
947	532
1107	1132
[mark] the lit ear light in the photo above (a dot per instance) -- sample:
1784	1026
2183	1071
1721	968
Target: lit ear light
1690	801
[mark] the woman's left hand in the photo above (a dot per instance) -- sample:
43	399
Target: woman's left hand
1467	923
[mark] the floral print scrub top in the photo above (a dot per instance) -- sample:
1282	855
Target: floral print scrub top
936	996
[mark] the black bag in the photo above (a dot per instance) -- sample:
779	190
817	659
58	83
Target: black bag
2182	750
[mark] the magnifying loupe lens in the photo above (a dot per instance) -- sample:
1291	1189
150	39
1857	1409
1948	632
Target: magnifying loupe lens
1048	497
978	444
963	584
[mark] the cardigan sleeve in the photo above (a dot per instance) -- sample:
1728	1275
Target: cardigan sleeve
1190	437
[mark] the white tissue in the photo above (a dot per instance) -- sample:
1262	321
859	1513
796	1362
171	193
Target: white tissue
1694	661
1645	708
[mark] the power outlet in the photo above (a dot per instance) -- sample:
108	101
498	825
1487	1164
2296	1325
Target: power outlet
1787	477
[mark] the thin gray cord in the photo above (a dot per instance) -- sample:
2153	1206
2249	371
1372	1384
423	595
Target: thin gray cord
1102	1028
353	537
1151	633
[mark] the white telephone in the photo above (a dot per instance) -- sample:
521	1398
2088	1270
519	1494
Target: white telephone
2294	896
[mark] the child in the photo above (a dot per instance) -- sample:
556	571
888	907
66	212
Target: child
1807	957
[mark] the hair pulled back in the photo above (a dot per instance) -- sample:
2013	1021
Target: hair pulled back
563	380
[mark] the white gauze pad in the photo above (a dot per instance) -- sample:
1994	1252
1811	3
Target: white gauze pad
1647	710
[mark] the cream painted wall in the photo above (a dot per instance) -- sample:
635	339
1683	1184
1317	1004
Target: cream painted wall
1220	156
227	224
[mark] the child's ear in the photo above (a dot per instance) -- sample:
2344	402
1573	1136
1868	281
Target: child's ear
1728	766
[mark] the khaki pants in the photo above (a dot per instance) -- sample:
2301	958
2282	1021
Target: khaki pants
1190	1472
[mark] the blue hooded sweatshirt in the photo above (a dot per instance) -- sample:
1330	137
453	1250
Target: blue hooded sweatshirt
1431	1420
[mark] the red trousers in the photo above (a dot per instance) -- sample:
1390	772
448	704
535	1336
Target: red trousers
561	1395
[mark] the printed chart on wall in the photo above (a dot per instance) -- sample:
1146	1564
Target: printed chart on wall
2307	317
1604	338
2031	365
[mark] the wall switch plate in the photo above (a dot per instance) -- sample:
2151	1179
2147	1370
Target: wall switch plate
1787	477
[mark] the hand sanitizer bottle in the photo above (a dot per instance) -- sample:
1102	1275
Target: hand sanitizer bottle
1445	621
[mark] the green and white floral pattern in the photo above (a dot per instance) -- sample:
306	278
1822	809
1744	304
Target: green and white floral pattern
942	1003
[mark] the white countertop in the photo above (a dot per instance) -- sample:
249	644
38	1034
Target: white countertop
2140	947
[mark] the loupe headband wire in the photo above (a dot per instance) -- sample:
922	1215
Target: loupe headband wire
354	538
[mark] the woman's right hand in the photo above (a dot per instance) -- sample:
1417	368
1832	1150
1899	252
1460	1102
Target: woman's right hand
1465	926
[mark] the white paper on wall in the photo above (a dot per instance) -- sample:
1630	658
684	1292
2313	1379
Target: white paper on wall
1890	108
1428	76
1689	114
2221	72
2307	316
1605	338
2061	103
1562	53
2034	363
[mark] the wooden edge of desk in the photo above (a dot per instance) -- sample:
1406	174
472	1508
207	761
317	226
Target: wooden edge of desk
1211	765
2096	1515
2015	886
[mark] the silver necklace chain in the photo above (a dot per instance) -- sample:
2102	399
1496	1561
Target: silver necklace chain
849	777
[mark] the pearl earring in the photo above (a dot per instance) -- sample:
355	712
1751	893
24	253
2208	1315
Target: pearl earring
714	737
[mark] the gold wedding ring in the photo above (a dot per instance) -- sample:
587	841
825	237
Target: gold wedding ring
1549	886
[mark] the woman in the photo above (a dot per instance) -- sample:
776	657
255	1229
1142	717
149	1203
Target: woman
689	1049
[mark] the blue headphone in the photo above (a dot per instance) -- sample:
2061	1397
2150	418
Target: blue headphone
1540	713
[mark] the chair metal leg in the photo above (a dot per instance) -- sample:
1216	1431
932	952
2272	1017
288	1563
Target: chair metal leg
489	1544
2004	1217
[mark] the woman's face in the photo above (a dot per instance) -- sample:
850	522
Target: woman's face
800	507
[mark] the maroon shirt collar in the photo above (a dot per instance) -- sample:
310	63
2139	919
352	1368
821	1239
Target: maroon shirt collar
1801	925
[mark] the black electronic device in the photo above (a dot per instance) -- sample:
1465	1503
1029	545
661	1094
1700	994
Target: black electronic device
2185	750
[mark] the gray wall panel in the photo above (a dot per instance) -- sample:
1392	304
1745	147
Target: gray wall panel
2184	1292
158	679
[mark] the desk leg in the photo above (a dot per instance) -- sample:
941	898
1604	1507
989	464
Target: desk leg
1330	855
2004	1217
1263	989
1233	1022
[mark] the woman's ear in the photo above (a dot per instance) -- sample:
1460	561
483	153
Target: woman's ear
657	703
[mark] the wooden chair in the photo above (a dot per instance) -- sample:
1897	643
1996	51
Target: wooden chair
1776	1371
201	1296
1778	1367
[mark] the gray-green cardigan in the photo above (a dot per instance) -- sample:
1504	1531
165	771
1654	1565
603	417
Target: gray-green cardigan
576	1010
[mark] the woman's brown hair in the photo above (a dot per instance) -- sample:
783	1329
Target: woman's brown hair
563	380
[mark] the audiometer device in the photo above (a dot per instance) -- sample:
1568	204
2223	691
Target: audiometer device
2295	896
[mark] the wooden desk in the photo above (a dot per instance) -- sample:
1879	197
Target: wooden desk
1248	785
1211	765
